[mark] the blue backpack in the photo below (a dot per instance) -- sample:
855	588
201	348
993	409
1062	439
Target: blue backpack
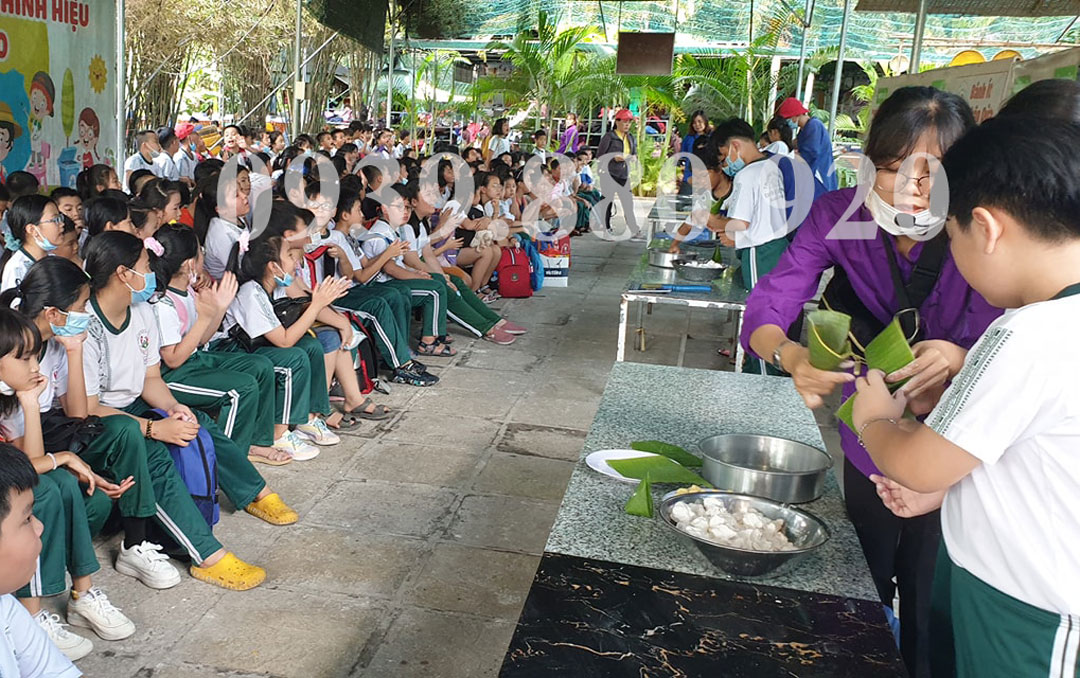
197	465
536	264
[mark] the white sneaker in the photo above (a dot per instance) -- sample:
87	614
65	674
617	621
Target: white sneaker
300	449
93	610
148	564
73	646
318	432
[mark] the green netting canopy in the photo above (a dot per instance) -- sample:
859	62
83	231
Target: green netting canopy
727	23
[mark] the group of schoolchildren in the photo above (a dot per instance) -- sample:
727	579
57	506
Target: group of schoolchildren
147	312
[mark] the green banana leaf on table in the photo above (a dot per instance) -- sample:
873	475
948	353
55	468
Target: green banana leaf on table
673	452
641	502
658	469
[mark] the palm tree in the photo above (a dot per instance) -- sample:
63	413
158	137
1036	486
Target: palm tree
864	94
545	65
437	69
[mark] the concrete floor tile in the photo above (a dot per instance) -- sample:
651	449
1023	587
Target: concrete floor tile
560	412
383	508
423	643
524	476
424	464
542	441
276	632
469	433
571	388
319	560
477	581
505	382
508	523
494	357
454	402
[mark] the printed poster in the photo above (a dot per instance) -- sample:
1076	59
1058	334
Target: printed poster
57	87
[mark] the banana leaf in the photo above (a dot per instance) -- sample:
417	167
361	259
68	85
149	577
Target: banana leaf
673	452
829	345
658	469
888	352
641	502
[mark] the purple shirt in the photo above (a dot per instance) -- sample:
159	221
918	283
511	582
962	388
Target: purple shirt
953	312
570	140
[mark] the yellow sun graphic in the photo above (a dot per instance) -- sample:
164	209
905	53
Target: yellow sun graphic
98	74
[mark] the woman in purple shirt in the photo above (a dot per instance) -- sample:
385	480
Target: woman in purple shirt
886	263
571	142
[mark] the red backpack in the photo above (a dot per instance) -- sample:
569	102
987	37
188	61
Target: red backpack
513	271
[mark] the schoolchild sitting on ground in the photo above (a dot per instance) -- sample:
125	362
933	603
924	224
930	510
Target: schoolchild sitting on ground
123	326
238	386
70	516
301	398
36	224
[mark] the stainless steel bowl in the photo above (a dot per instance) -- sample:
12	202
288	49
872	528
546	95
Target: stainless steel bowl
805	530
763	466
692	273
664	259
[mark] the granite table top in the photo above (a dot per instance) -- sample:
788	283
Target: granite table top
682	406
586	618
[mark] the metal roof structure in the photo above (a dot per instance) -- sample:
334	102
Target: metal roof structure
997	8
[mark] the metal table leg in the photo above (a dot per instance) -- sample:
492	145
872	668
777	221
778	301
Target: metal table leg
620	352
739	353
685	336
640	346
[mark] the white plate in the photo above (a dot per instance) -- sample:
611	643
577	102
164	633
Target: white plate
598	461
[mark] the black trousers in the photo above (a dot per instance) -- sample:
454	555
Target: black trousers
904	548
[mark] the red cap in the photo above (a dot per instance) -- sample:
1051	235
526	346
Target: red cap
791	108
624	114
183	130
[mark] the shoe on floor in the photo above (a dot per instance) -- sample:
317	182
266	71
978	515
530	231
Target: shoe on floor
298	447
273	510
93	610
230	573
318	432
511	328
337	392
74	647
413	377
148	564
499	336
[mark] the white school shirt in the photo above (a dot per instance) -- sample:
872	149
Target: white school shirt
757	197
253	310
778	148
417	243
15	269
165	168
375	241
1015	406
115	359
53	365
174	323
137	162
333	237
185	165
498	145
25	648
220	238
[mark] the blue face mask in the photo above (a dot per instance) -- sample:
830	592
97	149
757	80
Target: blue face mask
285	280
793	125
733	166
149	287
75	324
43	242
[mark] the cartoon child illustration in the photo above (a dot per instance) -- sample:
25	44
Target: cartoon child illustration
89	131
9	132
42	95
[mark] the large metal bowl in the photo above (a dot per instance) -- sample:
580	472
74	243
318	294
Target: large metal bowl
805	530
764	466
687	271
662	258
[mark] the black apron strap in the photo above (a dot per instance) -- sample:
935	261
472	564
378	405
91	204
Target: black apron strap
925	274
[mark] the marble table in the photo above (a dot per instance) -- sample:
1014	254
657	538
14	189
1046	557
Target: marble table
622	595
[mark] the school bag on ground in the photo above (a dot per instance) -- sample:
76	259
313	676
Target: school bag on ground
513	270
197	464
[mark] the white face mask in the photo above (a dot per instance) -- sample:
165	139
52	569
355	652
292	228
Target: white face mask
896	222
5	389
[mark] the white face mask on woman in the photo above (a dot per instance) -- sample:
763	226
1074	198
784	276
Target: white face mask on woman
896	222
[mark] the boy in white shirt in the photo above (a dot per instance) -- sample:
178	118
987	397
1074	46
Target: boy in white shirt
25	648
1000	453
756	223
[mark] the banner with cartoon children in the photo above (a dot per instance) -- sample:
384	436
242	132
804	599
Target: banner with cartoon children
57	87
